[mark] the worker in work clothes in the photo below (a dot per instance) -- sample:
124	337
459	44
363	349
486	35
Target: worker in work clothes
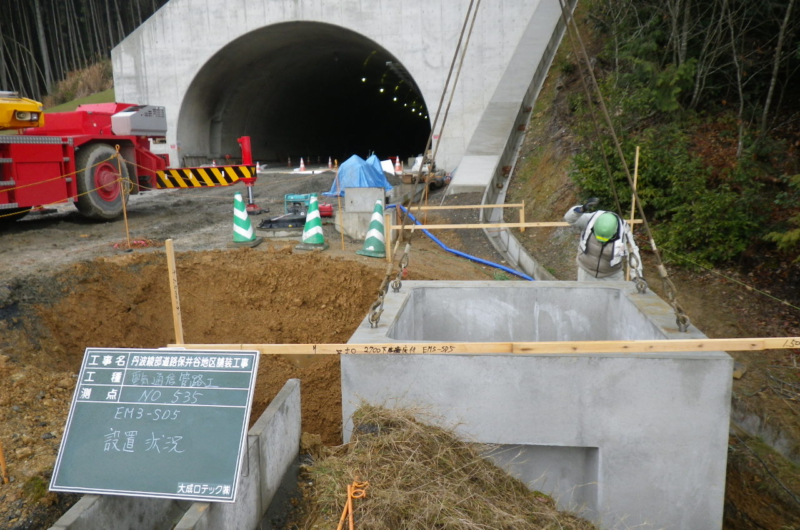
605	241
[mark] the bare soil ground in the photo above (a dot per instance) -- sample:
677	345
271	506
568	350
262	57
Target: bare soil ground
67	285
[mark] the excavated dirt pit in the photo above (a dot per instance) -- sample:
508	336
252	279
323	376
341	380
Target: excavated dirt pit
239	296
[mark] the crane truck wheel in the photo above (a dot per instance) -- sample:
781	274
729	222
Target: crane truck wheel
100	182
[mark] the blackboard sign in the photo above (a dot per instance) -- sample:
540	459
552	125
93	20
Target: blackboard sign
158	423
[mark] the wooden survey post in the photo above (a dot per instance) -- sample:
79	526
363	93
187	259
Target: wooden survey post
173	289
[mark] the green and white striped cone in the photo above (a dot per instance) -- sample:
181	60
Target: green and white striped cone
375	243
313	238
243	232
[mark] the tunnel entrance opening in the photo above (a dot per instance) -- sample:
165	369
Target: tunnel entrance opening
302	89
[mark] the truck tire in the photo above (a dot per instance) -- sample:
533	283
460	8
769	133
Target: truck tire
99	186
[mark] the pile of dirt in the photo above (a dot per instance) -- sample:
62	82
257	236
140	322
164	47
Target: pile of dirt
263	295
422	476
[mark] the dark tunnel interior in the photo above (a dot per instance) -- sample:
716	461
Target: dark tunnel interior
303	89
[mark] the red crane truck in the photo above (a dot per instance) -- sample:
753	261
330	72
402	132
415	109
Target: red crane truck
71	158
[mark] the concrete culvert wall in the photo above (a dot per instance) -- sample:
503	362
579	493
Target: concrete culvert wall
485	314
628	440
303	89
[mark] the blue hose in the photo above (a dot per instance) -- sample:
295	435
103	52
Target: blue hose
459	253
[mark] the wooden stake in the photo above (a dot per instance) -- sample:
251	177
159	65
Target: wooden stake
387	228
633	202
3	469
124	184
339	200
173	289
522	217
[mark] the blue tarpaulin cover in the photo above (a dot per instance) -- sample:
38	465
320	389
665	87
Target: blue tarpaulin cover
355	172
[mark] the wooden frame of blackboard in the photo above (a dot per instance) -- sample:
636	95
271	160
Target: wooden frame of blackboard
162	423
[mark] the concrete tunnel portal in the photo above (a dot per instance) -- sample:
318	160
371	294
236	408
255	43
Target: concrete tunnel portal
302	89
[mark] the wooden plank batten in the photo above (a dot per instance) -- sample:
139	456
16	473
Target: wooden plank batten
538	224
491	348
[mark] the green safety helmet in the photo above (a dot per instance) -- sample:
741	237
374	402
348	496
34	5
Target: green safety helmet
605	227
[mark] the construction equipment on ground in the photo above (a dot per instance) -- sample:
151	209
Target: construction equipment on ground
93	156
17	112
297	204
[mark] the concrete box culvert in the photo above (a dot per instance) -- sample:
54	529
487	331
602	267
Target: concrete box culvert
627	440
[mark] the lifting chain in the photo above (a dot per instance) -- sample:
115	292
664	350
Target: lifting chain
398	281
681	318
641	283
377	306
375	312
404	258
376	309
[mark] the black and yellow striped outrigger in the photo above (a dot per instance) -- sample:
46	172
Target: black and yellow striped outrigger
203	177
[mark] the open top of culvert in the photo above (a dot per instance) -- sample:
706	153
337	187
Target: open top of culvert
524	312
303	89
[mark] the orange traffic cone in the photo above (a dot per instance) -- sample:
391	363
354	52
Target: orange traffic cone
330	164
398	167
302	165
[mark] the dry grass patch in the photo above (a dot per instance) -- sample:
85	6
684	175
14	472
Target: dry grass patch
423	477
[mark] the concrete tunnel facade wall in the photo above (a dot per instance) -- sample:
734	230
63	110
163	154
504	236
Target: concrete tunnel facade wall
627	440
160	61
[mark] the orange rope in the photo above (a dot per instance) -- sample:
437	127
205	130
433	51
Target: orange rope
115	155
57	202
58	177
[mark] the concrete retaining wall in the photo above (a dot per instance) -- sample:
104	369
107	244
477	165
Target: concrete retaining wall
496	139
627	439
273	444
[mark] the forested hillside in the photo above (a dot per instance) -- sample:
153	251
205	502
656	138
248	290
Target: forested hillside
709	91
42	41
